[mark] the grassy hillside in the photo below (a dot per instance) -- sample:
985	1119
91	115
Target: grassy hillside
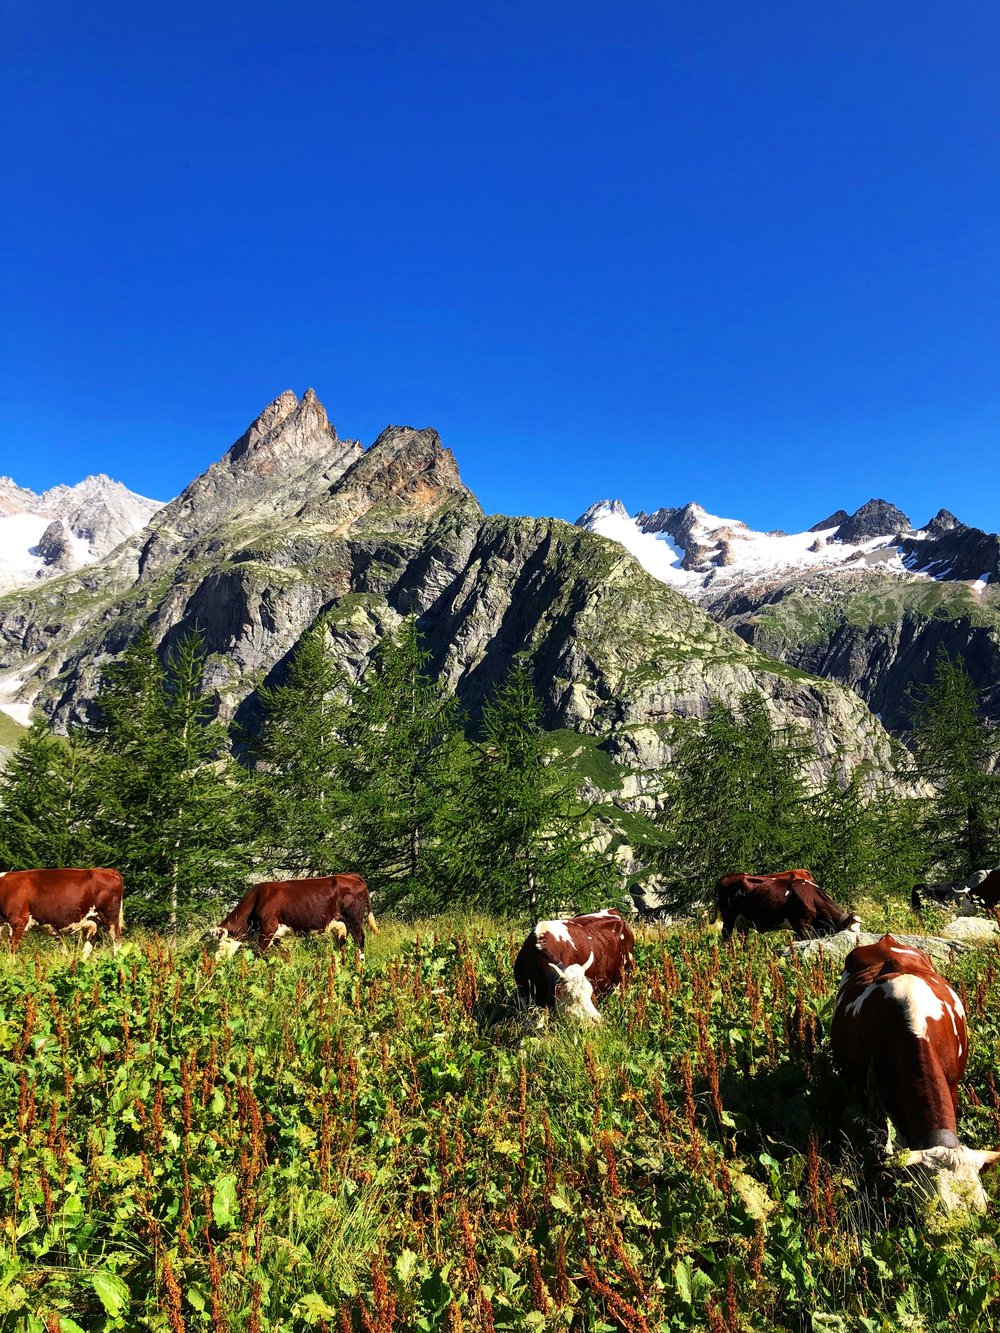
10	732
293	1144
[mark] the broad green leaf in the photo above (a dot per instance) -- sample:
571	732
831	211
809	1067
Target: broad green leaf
224	1206
406	1264
111	1291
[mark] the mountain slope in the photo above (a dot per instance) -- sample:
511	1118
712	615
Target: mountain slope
864	599
66	527
294	522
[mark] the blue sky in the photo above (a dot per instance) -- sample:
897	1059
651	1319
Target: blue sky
744	254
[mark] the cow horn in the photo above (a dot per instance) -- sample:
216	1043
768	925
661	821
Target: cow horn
557	970
589	961
990	1158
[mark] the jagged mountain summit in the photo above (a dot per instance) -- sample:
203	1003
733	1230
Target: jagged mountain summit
64	528
293	523
864	598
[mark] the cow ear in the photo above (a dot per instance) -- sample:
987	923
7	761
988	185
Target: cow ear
914	1158
558	971
589	961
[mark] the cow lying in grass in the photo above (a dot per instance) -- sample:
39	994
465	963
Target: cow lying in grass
565	965
332	905
899	1035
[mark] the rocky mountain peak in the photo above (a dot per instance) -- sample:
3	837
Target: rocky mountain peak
834	521
603	507
943	521
286	435
875	518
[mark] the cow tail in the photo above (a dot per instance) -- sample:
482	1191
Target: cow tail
373	924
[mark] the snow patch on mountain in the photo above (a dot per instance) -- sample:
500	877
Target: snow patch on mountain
64	527
700	553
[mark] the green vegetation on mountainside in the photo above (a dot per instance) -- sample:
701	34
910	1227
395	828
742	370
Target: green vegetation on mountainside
293	1143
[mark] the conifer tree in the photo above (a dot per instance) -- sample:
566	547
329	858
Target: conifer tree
297	792
957	752
47	803
169	795
736	798
523	846
402	756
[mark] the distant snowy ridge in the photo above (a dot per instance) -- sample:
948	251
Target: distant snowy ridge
701	554
64	527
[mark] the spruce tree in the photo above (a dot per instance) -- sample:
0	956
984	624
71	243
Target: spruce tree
170	800
401	754
300	806
735	798
48	803
956	751
523	847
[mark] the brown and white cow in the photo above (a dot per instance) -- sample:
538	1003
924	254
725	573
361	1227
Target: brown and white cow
567	964
789	899
332	905
899	1035
62	900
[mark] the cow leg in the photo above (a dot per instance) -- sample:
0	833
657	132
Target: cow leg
89	931
17	929
356	930
728	921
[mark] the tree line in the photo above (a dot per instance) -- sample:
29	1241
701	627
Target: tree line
384	774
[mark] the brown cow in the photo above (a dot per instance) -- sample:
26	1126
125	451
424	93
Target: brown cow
333	905
790	899
58	900
567	963
899	1035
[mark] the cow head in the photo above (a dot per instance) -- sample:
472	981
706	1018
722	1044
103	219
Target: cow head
220	939
950	1176
574	993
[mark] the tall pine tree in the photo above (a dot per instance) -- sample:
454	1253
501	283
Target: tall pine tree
523	845
957	752
300	807
170	799
48	803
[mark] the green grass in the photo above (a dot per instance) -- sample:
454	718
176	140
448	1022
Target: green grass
10	732
294	1143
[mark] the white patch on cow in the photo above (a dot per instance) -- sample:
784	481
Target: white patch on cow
281	932
336	928
914	996
557	929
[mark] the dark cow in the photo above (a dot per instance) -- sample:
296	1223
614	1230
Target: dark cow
984	888
899	1035
568	963
790	899
981	889
58	900
333	905
939	895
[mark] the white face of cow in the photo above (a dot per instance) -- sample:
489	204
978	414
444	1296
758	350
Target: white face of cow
950	1176
574	993
225	945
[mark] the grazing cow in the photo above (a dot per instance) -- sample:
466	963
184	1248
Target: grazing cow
945	894
333	905
984	888
567	964
790	899
899	1035
58	900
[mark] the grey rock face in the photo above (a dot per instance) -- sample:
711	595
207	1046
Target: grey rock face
55	547
601	507
875	518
